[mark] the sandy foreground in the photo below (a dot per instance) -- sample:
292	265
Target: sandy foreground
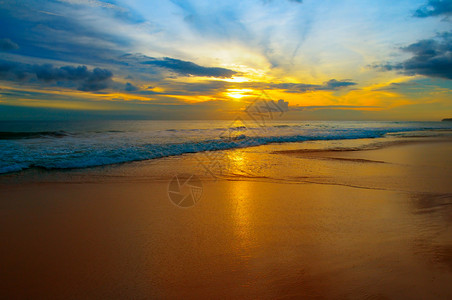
325	220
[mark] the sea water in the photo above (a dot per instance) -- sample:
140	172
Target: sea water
82	144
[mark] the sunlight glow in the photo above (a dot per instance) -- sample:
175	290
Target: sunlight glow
236	79
238	93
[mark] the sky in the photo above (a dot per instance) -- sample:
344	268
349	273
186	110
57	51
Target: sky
199	59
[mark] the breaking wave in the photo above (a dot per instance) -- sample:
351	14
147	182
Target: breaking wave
67	149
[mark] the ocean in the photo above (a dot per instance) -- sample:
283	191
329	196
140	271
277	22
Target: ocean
83	144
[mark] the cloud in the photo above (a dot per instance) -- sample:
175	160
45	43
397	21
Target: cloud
434	8
320	107
80	77
94	3
76	33
330	85
210	88
431	58
99	79
296	1
282	105
334	84
7	45
215	87
130	87
13	71
188	68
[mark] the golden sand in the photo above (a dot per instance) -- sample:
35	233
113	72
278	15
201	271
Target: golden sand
282	223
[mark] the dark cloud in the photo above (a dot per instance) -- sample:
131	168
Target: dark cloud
130	87
99	79
188	68
80	77
14	71
334	84
282	105
330	85
431	58
7	45
142	64
434	8
63	31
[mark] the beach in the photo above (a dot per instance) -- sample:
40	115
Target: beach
363	218
253	149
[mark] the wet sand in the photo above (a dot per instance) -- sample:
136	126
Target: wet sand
284	223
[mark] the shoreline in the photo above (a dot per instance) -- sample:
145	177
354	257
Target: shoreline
151	151
309	153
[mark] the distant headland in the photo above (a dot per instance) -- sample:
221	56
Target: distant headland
447	120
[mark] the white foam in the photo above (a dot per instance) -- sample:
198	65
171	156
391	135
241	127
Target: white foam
92	149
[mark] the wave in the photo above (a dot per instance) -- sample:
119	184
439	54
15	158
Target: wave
31	135
58	154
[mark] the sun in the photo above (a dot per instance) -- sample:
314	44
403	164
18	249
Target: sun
236	79
237	93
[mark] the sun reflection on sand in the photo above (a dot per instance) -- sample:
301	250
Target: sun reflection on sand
236	161
242	217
